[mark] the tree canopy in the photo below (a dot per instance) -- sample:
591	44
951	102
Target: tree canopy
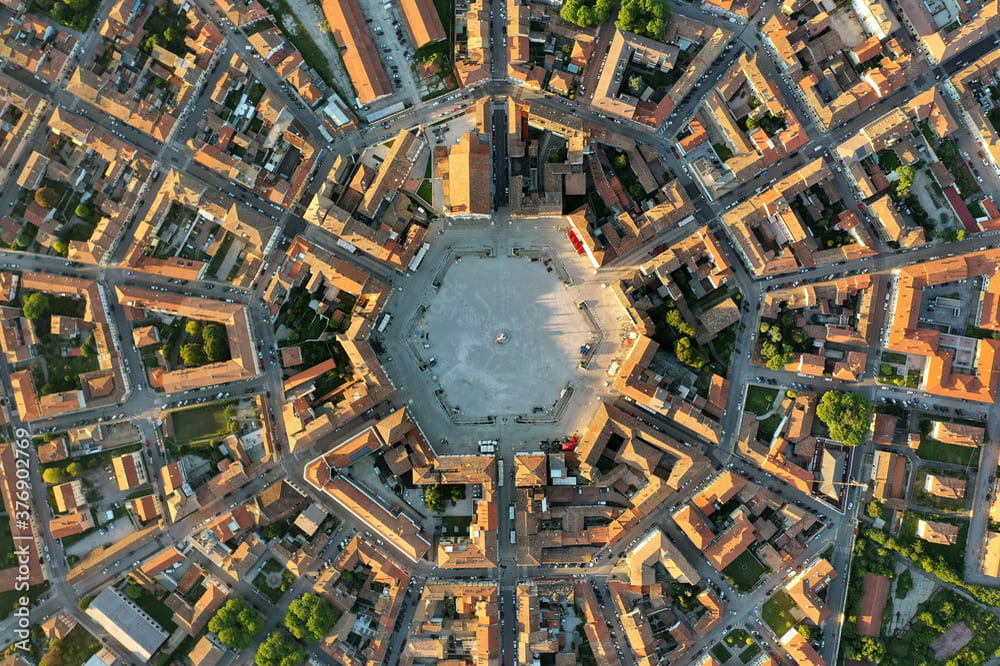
643	17
53	475
677	322
193	328
46	197
309	617
213	332
36	305
279	649
586	14
237	624
434	498
193	355
847	415
216	350
688	353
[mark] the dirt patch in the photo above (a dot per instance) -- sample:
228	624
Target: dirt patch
951	641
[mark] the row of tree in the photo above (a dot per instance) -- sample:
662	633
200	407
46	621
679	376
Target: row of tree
308	618
586	14
643	17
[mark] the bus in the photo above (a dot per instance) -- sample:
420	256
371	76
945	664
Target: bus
500	472
513	536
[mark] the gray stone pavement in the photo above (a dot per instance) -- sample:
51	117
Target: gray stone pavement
495	322
501	235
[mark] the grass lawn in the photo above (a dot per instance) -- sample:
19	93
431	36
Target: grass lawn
273	593
931	449
426	192
776	613
157	610
78	646
766	428
750	653
760	399
199	422
455	525
737	639
745	571
721	653
8	600
7	557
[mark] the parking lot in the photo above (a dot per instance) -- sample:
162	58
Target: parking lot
395	47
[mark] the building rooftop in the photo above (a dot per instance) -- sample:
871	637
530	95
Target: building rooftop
127	623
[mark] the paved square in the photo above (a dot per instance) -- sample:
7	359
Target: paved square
479	298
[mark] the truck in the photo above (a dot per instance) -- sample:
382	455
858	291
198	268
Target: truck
386	318
513	536
512	511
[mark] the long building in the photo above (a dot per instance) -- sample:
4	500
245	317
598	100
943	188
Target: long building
347	24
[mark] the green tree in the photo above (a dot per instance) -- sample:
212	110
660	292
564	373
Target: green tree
46	197
434	498
636	84
635	189
53	475
54	656
279	649
74	468
216	350
89	346
643	17
586	14
193	328
82	211
905	182
962	234
193	355
309	618
237	624
213	332
847	415
133	591
61	247
36	305
779	361
688	354
677	322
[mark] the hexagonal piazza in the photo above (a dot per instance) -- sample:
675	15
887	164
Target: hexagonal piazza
502	335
